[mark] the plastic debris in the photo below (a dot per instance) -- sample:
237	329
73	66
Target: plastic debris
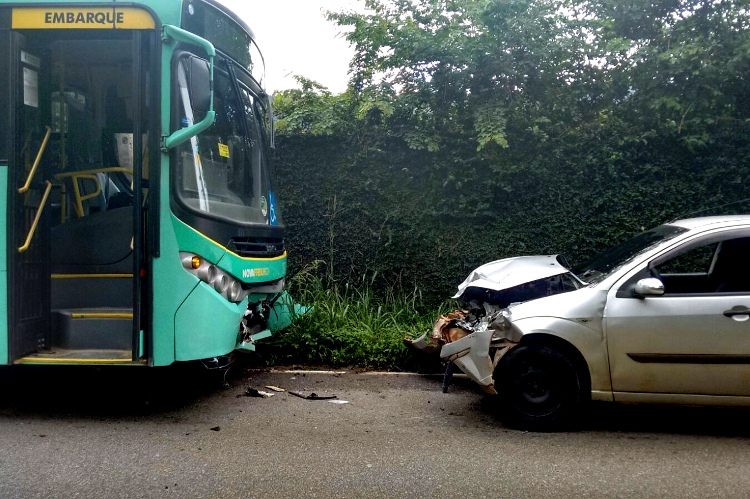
252	392
338	401
312	396
275	388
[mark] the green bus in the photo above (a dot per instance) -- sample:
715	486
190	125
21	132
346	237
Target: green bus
139	221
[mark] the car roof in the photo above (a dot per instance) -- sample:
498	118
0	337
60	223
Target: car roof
712	222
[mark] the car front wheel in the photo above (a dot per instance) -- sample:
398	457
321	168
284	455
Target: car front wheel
539	388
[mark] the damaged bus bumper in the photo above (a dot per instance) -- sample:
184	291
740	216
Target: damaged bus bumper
261	320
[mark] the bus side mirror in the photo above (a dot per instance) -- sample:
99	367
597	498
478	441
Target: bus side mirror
198	91
199	84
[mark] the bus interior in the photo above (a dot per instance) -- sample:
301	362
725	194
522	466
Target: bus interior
85	130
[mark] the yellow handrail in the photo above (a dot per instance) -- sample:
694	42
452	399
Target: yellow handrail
77	192
89	174
26	186
38	215
63	204
95	170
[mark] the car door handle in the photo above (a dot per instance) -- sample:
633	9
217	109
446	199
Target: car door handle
734	312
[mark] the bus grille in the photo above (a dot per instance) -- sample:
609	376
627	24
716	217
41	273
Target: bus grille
257	247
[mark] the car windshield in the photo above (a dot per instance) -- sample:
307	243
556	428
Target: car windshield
602	265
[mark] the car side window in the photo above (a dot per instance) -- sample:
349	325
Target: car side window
718	267
695	261
731	272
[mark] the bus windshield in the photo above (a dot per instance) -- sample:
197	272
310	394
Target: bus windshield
223	172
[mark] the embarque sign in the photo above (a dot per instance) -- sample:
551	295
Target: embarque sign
81	18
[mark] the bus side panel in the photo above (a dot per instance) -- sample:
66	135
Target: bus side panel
172	284
207	325
191	321
3	263
5	125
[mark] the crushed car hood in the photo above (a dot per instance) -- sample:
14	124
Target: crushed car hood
511	272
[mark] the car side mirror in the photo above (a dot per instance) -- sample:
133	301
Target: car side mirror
650	286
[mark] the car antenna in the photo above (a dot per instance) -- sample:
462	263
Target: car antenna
694	213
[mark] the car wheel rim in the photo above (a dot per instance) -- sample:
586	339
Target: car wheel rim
536	388
538	392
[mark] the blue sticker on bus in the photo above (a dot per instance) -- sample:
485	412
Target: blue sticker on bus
272	219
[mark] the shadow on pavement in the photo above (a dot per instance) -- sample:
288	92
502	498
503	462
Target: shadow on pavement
649	418
106	391
114	392
715	421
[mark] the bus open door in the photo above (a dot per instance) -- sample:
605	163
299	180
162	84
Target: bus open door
82	130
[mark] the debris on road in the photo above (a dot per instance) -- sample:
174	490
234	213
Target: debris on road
275	388
252	392
338	401
216	428
312	396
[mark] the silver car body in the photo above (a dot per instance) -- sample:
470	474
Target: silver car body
686	348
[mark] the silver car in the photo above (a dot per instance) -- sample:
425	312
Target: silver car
663	318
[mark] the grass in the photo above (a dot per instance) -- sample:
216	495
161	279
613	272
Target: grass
349	326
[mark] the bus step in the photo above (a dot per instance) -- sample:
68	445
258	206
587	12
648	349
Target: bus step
61	356
92	329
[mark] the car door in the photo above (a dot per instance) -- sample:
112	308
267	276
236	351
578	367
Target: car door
693	339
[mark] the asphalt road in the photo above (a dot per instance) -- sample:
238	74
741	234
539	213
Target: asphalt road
179	433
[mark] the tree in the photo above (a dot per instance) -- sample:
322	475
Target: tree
478	129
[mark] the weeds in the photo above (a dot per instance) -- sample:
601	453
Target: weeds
349	326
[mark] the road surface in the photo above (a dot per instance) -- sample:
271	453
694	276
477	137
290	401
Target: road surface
95	433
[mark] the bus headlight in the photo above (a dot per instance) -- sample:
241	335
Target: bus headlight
207	273
223	283
234	293
220	283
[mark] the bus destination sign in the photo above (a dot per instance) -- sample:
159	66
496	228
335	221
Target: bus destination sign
81	18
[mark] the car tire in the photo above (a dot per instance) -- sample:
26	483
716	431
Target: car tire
539	388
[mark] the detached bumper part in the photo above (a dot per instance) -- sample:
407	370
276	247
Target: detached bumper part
248	344
420	343
472	355
285	311
466	341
